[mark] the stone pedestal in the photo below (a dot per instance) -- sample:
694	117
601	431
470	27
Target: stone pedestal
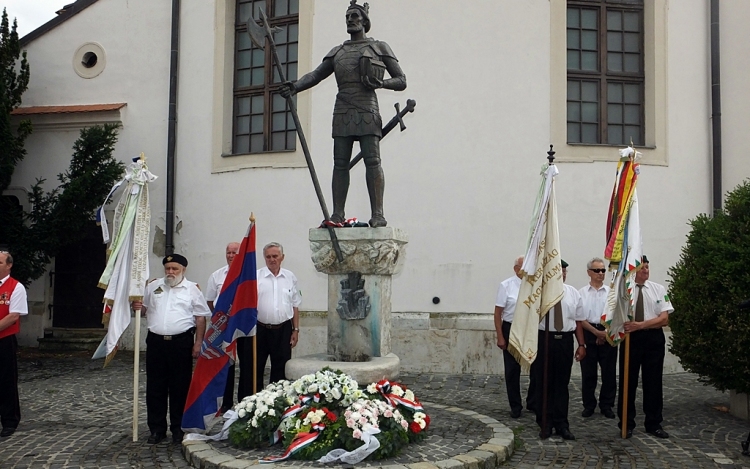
359	289
359	298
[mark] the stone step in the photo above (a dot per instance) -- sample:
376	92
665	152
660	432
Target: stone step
70	332
54	344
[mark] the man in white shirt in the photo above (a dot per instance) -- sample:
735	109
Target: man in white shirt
599	353
13	305
505	307
278	320
647	349
176	312
215	284
564	323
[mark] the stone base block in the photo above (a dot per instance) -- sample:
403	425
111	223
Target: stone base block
364	373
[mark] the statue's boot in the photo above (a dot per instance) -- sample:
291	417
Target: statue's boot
376	187
340	187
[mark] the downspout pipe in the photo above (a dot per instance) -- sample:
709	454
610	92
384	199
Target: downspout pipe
716	105
172	128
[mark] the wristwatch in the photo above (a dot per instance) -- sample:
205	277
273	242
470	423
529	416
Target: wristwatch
295	329
582	345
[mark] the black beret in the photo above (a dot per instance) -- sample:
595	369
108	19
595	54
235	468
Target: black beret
175	258
564	264
644	259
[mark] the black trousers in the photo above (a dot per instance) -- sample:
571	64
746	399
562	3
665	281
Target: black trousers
169	368
10	406
647	348
512	374
244	347
602	356
273	343
560	358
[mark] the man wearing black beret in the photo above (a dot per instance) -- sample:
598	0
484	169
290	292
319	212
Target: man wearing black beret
176	312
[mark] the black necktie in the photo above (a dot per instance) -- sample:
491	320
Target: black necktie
639	305
558	317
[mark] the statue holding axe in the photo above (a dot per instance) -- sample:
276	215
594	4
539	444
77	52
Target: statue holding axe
359	65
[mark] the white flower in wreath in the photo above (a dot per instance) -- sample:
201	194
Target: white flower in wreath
241	413
372	388
336	393
312	388
254	422
271	412
408	395
397	390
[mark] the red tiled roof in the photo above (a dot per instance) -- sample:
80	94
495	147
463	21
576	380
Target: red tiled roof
31	110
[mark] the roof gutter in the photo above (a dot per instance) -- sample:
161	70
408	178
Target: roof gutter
172	128
716	105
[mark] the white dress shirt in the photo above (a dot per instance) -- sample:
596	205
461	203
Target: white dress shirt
572	309
18	303
215	282
594	301
507	295
277	296
171	310
655	300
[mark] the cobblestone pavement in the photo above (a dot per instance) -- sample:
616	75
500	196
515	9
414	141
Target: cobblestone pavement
77	415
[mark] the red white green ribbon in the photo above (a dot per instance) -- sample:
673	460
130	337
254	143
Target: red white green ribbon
300	441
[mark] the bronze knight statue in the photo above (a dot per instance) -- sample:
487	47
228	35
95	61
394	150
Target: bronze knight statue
359	65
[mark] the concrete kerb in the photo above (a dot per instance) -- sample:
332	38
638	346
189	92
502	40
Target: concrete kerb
487	455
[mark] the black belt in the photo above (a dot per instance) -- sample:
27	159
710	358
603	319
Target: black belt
188	332
272	326
560	335
598	327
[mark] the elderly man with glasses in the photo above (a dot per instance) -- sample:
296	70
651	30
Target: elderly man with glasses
599	353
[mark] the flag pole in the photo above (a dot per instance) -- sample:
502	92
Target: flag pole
626	371
136	366
625	378
255	347
545	381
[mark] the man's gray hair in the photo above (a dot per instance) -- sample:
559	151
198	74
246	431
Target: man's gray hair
594	259
519	261
273	245
8	258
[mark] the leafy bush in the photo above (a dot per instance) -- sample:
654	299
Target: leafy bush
710	333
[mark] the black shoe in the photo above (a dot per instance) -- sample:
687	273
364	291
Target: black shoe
587	413
544	435
629	433
177	437
515	413
156	438
659	433
607	412
565	434
7	431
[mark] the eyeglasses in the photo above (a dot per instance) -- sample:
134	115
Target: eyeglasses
598	271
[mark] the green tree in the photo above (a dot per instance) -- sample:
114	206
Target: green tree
58	217
14	79
710	334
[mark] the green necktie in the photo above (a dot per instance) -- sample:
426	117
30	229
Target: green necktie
639	305
558	316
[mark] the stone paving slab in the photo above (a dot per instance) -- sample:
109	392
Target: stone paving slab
77	415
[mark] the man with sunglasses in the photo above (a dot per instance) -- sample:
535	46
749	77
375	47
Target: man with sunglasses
647	349
599	353
13	305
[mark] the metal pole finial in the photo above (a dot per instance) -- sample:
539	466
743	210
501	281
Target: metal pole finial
551	155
